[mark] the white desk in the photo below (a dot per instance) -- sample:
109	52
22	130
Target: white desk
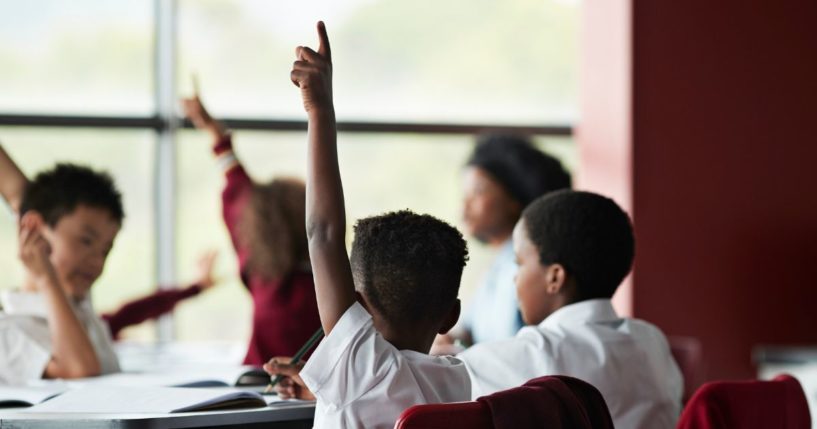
273	417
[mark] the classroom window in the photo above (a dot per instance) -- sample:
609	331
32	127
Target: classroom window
400	70
509	62
91	57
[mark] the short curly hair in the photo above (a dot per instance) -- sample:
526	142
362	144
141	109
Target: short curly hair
409	266
588	234
57	192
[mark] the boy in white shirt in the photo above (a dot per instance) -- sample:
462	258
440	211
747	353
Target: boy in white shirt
382	311
573	250
70	216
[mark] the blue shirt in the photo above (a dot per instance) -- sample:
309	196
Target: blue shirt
494	312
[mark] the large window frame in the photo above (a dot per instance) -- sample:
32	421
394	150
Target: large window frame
165	123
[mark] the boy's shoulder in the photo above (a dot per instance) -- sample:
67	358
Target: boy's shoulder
354	361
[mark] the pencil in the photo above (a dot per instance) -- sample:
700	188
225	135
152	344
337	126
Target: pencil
298	355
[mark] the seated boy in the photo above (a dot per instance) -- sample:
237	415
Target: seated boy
382	311
73	214
69	217
573	249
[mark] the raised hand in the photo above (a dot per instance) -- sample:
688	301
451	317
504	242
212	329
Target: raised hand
206	279
195	111
34	249
312	72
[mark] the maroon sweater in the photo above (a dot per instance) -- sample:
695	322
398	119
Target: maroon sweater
149	307
285	311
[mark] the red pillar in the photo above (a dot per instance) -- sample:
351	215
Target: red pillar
701	118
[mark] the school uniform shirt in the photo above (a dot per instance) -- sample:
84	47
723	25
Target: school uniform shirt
494	312
360	380
628	360
25	340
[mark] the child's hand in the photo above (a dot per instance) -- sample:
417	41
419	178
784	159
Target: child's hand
197	113
206	279
312	72
34	249
291	384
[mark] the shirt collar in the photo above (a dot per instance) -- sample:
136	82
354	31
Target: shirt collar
591	310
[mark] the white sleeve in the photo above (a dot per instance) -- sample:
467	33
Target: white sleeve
500	365
350	361
22	358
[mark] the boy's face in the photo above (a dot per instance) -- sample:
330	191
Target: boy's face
535	302
488	210
80	242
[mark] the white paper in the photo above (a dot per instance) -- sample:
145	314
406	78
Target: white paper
24	396
138	400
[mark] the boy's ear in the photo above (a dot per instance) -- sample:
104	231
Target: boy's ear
452	317
555	278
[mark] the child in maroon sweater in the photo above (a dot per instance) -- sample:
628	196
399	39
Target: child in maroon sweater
266	225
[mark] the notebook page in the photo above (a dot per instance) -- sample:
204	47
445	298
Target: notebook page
141	400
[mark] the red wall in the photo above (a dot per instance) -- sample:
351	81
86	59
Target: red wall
723	155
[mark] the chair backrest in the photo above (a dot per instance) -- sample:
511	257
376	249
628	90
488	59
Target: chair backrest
554	402
779	404
459	415
687	352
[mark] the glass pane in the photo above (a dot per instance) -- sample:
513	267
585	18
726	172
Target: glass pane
128	157
381	172
512	61
78	57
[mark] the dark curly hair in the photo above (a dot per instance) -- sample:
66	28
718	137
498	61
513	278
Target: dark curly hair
409	266
588	234
272	227
57	192
523	170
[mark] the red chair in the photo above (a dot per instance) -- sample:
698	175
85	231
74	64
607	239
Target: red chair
459	415
778	404
554	402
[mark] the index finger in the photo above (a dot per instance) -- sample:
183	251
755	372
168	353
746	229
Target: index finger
194	77
323	47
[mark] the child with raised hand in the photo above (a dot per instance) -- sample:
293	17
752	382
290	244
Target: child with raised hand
381	310
573	250
69	218
265	222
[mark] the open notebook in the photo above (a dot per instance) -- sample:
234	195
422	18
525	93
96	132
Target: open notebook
13	396
147	400
180	377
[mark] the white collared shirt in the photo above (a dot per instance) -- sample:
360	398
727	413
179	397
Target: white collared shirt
362	381
25	340
628	360
494	312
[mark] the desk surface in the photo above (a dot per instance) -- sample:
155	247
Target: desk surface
276	416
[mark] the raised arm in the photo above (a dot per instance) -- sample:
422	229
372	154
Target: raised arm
12	181
235	196
325	211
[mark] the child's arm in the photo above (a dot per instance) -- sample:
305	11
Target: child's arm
162	301
325	212
72	354
235	196
12	181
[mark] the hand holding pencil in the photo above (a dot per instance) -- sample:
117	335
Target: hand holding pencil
287	383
